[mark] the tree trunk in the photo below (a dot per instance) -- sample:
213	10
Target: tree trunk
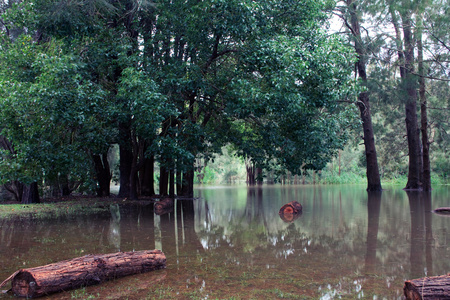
163	181
426	176
84	271
103	173
188	183
15	188
179	182
126	159
30	194
372	170
251	180
171	183
146	177
410	86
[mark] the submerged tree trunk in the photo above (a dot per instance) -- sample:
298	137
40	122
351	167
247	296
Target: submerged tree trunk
410	86
372	170
426	176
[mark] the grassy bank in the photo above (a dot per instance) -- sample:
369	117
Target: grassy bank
59	208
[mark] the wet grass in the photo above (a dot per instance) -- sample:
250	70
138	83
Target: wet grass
56	208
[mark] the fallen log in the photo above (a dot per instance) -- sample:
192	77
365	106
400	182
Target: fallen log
290	211
83	271
442	211
427	288
164	206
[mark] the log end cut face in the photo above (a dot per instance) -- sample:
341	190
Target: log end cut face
290	211
24	284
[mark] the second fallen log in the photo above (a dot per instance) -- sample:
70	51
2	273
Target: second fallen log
436	287
164	206
290	211
84	271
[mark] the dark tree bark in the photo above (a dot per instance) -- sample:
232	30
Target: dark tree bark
103	173
426	176
126	159
372	170
251	179
30	194
163	181
15	188
187	189
146	177
410	88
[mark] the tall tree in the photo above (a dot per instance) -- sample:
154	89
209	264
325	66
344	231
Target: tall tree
372	170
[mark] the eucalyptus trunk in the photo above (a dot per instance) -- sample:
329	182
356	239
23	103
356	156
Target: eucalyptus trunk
372	170
426	175
410	87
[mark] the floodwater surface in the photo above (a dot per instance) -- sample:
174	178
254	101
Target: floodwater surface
230	243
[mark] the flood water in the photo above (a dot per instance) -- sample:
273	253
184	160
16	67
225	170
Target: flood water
230	243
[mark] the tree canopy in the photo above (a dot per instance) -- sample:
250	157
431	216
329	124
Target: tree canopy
168	81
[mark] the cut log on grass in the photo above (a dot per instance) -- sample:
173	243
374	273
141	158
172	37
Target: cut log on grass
427	288
83	271
164	206
290	211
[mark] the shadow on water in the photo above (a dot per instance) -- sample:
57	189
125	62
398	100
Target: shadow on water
231	242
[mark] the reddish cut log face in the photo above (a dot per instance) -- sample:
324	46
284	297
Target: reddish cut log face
290	211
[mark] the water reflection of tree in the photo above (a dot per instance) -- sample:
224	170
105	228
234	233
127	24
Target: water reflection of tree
373	217
421	234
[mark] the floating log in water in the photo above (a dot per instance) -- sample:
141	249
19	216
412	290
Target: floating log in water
83	271
427	288
164	206
290	211
442	211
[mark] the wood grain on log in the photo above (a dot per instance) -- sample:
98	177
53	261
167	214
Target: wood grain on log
84	271
427	288
290	211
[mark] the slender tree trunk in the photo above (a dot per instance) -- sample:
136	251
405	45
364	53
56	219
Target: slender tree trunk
172	183
163	181
30	194
426	176
372	170
179	182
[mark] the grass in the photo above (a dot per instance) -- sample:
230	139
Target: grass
59	208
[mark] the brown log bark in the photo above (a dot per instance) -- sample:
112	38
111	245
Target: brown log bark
164	206
442	211
427	288
84	271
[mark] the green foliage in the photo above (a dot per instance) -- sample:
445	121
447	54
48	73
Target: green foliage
50	113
